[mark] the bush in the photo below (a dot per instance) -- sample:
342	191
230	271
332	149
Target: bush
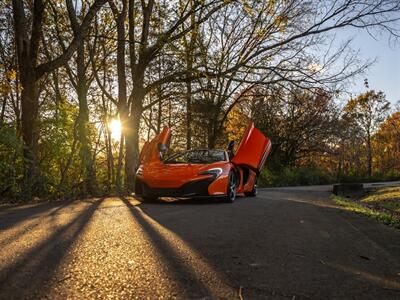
294	177
392	176
10	162
350	178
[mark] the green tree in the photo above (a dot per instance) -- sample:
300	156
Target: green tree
28	30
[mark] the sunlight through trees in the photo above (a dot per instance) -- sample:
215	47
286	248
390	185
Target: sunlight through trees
83	84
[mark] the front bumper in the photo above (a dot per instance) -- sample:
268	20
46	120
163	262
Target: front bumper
189	189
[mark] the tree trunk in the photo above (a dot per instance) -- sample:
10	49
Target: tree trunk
89	174
122	98
118	175
339	171
150	120
369	154
132	139
108	139
188	115
27	51
3	109
211	136
30	134
110	158
189	66
213	129
159	116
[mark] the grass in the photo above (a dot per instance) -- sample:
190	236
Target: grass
382	204
386	198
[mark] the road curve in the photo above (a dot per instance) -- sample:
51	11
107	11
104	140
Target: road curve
287	243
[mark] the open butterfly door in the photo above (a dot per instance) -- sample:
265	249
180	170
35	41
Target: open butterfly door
151	150
253	149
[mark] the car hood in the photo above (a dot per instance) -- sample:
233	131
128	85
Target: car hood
160	175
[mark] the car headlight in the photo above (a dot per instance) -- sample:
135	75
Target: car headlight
214	171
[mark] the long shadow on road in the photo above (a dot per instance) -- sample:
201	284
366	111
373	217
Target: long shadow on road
199	279
13	216
30	273
281	244
286	244
30	221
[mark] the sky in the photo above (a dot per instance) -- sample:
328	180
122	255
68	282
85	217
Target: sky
384	75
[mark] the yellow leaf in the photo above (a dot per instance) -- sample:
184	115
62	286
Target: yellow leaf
11	75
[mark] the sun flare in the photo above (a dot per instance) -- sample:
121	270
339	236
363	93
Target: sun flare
115	127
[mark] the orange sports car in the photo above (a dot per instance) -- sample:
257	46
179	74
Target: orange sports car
201	173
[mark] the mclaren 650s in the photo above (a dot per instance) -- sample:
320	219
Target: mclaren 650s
203	172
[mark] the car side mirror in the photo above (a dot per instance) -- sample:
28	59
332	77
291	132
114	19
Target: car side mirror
229	149
231	144
162	148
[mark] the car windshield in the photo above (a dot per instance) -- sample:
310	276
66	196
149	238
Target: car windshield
196	157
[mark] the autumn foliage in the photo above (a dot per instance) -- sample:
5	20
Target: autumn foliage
317	141
70	69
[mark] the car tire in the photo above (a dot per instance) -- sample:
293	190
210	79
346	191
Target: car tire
231	188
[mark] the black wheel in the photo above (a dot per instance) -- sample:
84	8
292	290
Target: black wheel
253	192
231	190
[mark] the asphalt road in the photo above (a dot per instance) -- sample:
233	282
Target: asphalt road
287	243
